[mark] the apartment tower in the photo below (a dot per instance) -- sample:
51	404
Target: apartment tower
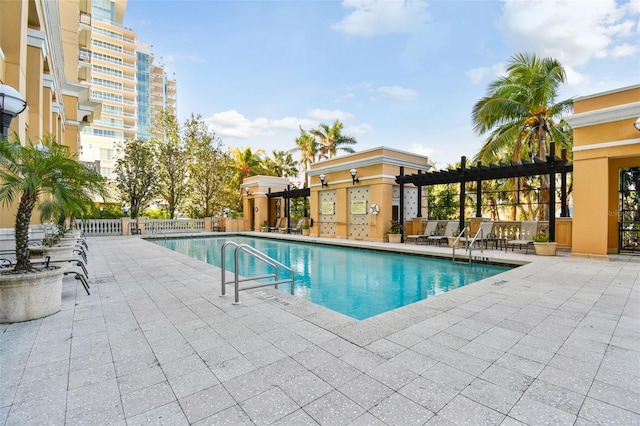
121	73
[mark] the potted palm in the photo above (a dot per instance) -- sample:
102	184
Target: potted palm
265	226
395	232
28	173
304	228
543	246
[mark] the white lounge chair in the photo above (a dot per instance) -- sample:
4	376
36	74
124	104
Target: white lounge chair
528	228
450	230
484	234
429	229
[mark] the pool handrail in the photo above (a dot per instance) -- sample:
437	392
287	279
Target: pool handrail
257	254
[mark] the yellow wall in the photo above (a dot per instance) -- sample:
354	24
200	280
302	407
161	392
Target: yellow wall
605	140
33	42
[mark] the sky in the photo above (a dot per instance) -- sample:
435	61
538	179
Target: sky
401	74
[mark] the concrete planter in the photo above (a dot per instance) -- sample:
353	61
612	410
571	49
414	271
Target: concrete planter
395	238
56	252
545	249
24	297
305	232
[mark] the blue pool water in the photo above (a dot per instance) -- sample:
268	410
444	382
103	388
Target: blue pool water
355	282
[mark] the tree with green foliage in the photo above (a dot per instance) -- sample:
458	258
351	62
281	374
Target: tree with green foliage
443	202
213	182
172	161
247	162
280	164
521	114
331	139
32	171
137	174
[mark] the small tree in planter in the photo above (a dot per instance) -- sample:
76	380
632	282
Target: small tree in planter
28	173
304	227
542	245
395	232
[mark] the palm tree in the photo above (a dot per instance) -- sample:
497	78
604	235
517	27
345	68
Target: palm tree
331	139
282	164
521	115
34	170
307	145
248	163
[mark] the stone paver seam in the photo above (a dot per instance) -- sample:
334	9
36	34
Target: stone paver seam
603	357
23	370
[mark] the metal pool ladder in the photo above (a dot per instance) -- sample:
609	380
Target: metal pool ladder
258	255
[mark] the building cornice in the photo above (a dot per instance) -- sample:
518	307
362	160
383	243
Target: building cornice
38	39
602	145
369	161
608	92
604	115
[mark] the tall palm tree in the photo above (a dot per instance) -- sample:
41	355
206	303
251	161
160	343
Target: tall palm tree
307	145
37	170
331	139
248	163
521	115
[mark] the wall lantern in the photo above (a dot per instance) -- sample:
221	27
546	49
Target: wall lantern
11	104
637	124
353	173
322	180
248	191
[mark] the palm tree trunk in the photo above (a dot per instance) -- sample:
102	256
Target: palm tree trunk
23	218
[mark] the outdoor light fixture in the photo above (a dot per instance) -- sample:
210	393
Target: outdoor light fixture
248	191
11	104
322	178
354	172
637	124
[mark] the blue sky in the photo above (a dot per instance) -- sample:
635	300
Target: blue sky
403	74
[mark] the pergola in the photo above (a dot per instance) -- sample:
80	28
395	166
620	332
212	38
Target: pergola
287	196
478	173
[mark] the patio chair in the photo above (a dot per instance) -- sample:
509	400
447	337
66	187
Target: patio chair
298	228
429	229
450	230
528	228
283	225
484	235
274	228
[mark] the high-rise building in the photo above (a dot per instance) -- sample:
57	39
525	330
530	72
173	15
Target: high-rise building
121	73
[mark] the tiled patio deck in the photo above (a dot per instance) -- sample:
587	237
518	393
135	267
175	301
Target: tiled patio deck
556	341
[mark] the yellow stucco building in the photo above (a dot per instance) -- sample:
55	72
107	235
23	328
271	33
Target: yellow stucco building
352	196
39	45
606	143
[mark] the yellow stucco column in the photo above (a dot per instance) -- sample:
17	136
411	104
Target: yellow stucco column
591	214
34	92
342	213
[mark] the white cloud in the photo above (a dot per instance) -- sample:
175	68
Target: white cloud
477	75
573	32
327	115
574	78
360	129
196	59
398	93
623	50
373	17
234	124
420	149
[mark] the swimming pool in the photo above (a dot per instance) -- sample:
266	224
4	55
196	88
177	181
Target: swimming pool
355	282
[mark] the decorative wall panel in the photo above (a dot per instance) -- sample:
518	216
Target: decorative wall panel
358	228
327	221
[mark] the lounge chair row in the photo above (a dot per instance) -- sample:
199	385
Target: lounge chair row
484	235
